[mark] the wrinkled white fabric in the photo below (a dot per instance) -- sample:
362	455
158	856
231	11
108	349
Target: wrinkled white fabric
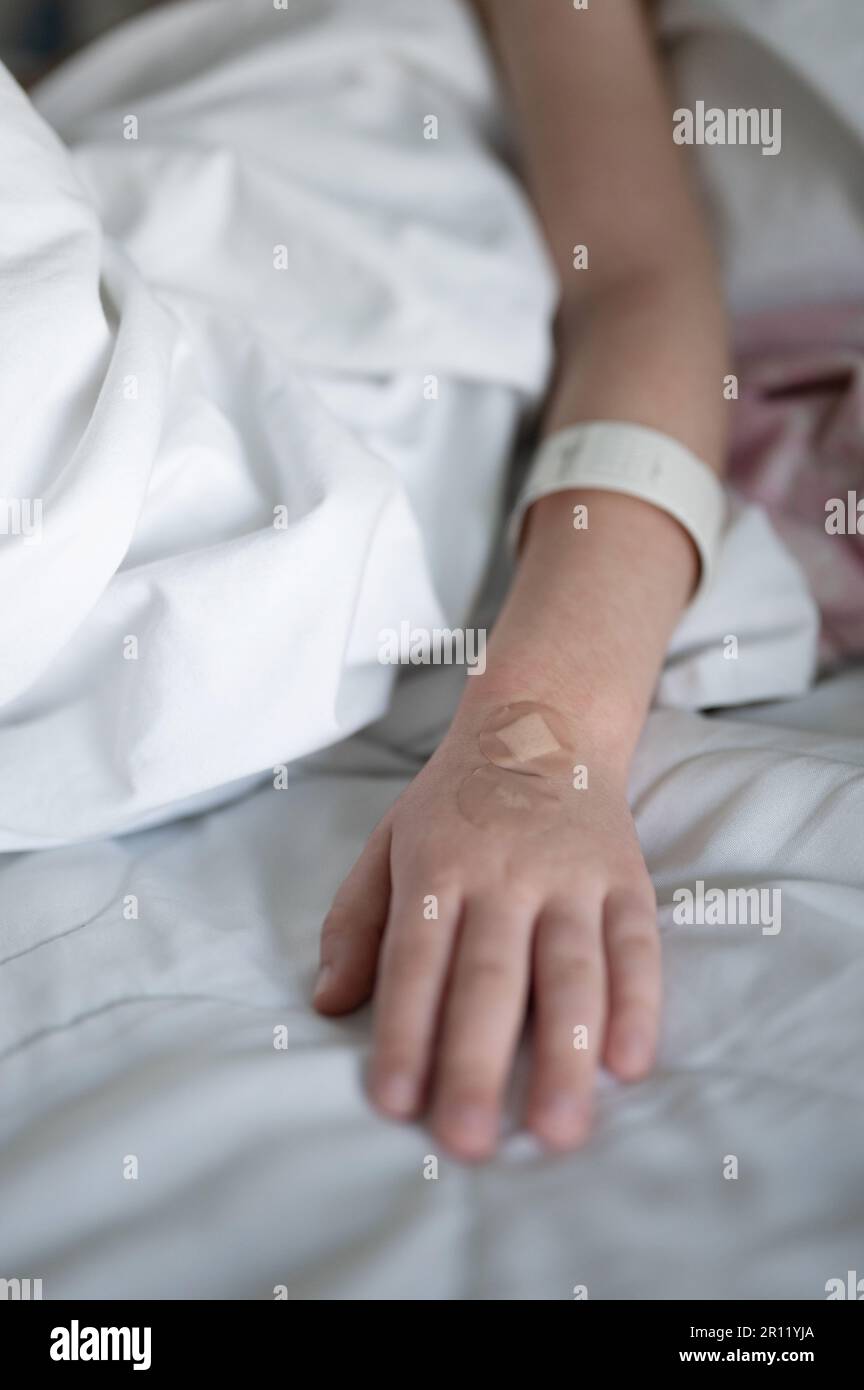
153	1039
790	227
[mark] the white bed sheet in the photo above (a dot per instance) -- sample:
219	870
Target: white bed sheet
260	1167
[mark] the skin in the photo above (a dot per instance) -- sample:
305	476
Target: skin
561	924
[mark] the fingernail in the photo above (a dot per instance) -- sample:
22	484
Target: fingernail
632	1051
396	1094
325	978
472	1123
565	1117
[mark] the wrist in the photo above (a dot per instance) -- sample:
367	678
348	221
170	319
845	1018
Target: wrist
599	735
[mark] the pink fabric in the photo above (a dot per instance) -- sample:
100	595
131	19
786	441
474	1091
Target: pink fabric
798	440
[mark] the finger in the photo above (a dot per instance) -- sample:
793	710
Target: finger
352	929
411	978
485	1008
633	963
569	1016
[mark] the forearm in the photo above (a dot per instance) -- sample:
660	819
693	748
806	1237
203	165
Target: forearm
649	349
590	611
587	620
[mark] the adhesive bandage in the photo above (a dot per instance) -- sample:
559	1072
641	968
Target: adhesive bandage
528	738
528	754
493	798
635	460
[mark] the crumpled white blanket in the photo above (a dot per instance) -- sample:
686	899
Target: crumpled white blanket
222	343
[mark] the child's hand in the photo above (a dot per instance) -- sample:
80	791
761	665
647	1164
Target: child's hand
465	920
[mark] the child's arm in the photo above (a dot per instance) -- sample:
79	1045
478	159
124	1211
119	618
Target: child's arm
554	900
641	338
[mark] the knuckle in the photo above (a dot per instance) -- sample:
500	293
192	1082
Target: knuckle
518	895
419	880
637	944
488	968
516	884
431	876
407	955
574	966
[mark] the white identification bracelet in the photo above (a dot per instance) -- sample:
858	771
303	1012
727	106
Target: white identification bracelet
635	460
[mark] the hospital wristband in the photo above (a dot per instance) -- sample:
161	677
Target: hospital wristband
635	460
